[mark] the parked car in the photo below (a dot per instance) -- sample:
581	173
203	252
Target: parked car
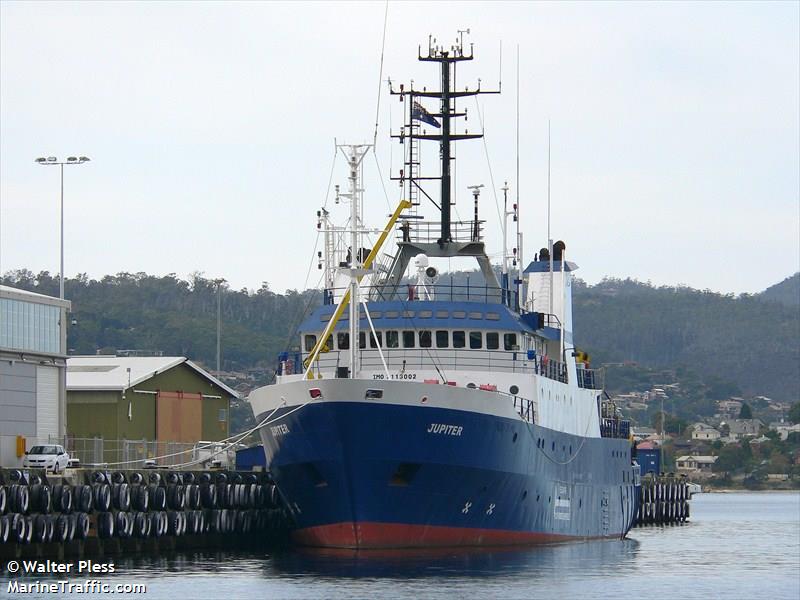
51	458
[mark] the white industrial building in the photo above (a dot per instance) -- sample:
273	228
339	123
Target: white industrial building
33	353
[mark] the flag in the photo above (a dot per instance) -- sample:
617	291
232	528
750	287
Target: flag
419	113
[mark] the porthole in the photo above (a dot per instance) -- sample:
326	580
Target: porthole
514	439
472	386
424	399
537	497
524	494
553	446
513	390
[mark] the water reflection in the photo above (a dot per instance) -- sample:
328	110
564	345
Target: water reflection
533	562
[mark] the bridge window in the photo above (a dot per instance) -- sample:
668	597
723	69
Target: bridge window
493	316
510	341
442	314
408	339
492	340
459	314
425	339
475	315
425	314
343	341
376	314
408	314
442	338
392	339
475	340
391	314
375	342
362	340
459	339
310	341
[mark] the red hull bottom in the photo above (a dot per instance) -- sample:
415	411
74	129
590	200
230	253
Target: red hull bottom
397	535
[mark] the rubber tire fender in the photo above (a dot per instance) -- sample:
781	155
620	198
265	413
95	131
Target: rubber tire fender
154	519
105	525
64	504
3	499
82	526
174	525
83	498
51	527
121	524
61	528
122	496
22	499
17	531
136	478
5	528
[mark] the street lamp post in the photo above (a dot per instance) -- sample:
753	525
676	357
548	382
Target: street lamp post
71	160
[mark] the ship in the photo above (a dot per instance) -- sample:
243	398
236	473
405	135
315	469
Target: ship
419	411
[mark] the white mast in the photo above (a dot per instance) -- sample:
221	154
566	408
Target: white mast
549	239
355	155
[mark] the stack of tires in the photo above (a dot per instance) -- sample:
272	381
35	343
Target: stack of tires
663	500
130	504
34	511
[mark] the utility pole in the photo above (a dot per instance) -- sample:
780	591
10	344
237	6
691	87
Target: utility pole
219	283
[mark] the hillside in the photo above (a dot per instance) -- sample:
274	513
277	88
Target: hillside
786	292
745	342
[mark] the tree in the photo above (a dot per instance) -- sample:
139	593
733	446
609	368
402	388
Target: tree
794	413
745	412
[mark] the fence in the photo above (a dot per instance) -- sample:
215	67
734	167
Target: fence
132	454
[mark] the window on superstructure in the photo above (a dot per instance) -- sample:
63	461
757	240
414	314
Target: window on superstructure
362	340
475	340
328	345
409	337
510	341
442	338
376	314
392	339
459	339
375	342
391	314
310	341
442	314
492	340
475	315
343	341
459	314
425	339
425	314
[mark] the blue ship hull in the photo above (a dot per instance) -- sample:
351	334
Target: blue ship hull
379	475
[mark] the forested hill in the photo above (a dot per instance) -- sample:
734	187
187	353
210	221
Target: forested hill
745	340
786	292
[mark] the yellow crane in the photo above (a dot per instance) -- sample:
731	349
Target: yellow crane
315	351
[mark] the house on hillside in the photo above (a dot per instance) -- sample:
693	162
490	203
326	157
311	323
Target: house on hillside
742	428
643	433
784	429
695	465
165	403
701	431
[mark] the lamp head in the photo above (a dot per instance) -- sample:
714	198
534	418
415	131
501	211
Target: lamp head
84	159
72	158
51	159
41	160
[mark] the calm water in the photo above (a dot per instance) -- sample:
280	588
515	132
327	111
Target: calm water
738	545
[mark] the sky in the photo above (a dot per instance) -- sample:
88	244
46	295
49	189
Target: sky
675	134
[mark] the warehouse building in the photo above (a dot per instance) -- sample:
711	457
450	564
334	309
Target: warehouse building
158	400
33	352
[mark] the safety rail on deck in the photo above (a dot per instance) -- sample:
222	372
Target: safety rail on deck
404	359
410	292
615	428
591	379
429	232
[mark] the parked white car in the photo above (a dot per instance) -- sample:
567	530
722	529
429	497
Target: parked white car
51	458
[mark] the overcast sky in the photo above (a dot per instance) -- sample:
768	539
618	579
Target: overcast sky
211	126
